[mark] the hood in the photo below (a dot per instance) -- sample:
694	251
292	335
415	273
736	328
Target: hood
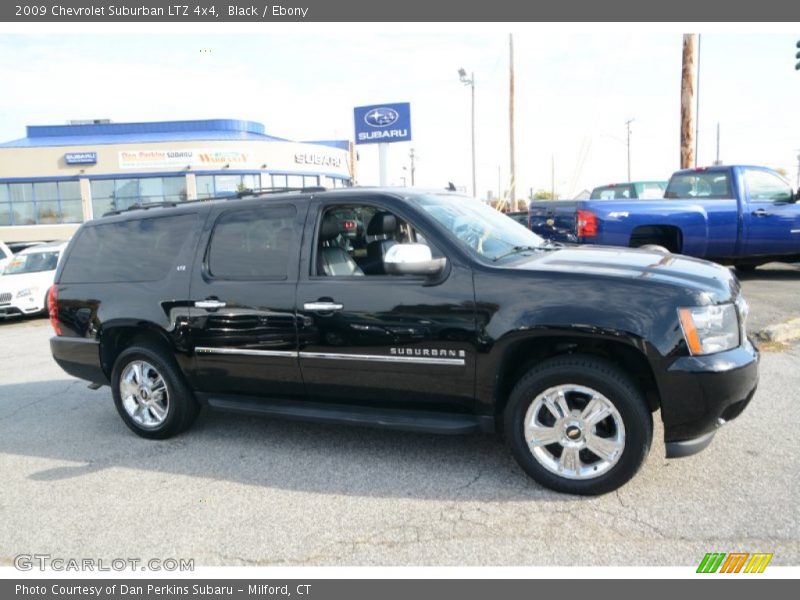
13	283
626	263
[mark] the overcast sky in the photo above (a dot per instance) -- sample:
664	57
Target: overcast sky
575	90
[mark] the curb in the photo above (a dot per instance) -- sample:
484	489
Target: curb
782	332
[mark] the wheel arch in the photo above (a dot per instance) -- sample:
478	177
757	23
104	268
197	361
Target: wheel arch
115	338
668	236
525	353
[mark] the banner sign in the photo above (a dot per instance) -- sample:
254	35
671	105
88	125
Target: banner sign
195	158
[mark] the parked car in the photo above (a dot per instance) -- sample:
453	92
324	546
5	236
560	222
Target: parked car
737	215
5	256
27	278
520	217
632	190
454	319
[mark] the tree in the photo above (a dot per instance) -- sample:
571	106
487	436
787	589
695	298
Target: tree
544	195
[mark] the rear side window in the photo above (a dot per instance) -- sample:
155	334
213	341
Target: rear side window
700	184
254	243
128	251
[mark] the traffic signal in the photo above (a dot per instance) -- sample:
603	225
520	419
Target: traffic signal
797	56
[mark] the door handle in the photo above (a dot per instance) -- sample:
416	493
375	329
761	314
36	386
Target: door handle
760	212
210	304
320	306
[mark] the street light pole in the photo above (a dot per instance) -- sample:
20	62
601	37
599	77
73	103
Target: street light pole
628	127
470	81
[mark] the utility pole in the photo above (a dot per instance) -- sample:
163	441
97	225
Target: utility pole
628	127
513	188
718	161
687	104
552	177
412	156
697	105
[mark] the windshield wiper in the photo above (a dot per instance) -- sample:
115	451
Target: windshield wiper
515	250
546	245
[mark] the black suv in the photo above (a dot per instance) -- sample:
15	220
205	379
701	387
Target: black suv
421	311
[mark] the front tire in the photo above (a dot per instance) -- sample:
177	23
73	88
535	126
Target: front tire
578	424
150	393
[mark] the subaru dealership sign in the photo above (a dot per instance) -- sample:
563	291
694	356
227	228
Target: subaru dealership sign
80	158
383	123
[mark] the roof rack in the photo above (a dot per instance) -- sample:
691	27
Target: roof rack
235	196
278	190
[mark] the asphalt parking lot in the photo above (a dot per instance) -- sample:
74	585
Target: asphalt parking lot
241	491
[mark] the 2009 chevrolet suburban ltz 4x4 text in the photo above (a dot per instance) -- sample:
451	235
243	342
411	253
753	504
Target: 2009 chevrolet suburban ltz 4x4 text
422	311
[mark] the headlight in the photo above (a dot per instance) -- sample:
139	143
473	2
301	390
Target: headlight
709	329
24	292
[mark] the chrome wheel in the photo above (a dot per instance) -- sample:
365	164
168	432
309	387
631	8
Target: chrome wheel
144	394
574	431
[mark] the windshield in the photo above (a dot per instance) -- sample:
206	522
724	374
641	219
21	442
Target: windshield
32	263
482	229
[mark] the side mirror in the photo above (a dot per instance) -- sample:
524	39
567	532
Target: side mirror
412	259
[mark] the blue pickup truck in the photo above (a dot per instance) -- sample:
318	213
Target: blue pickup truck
738	215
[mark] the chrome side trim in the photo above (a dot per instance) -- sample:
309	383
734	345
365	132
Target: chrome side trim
246	352
452	362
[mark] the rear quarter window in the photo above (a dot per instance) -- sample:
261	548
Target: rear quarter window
137	250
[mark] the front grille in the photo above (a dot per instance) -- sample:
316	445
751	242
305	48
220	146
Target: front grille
5	297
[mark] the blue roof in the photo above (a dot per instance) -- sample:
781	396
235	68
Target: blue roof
94	134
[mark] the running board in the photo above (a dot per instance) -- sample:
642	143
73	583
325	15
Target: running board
419	421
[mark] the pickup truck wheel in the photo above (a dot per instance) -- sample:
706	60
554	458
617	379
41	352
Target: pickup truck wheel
577	424
150	394
745	267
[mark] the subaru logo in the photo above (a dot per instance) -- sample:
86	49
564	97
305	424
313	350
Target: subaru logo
381	117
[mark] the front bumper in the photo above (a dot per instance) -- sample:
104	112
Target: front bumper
701	393
26	305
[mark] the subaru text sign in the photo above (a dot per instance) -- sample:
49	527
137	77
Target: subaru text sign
383	123
81	158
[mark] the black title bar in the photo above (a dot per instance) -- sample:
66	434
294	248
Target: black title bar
207	11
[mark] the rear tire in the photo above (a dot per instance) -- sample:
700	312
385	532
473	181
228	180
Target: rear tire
577	424
150	393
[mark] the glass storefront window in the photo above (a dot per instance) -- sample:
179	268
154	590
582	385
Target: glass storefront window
47	211
205	186
5	205
279	181
174	189
41	202
71	211
47	190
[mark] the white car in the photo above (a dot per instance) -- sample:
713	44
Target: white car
27	279
5	256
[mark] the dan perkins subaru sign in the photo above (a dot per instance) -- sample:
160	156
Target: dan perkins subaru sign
383	123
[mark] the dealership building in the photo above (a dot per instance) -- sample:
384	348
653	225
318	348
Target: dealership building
59	176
